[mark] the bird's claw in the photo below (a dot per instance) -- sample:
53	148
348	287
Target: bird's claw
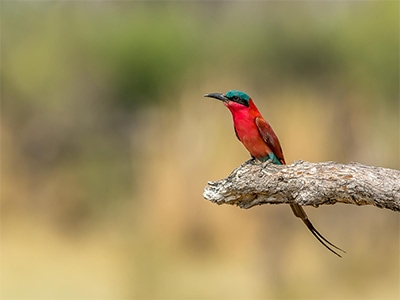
251	161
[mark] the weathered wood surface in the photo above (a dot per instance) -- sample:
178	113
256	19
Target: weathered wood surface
307	184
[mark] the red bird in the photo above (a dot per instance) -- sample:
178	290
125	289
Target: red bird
260	140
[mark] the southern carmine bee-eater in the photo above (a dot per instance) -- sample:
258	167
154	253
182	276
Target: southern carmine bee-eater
260	140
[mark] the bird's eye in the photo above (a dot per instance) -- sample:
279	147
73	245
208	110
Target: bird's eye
235	98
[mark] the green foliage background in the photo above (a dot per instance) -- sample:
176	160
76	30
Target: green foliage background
107	144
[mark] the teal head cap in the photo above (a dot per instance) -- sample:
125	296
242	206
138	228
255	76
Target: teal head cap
238	96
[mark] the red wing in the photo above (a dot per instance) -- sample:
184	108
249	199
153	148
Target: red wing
270	138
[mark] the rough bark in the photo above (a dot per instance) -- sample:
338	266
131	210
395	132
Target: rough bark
307	184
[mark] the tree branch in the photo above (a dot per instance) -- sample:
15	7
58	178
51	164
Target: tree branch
307	184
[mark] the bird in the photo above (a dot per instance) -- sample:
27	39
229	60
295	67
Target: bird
258	137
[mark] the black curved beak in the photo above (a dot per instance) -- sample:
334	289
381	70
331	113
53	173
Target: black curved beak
217	96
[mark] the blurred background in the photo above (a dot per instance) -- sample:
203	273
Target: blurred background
107	144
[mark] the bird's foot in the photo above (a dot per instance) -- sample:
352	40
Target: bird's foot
251	161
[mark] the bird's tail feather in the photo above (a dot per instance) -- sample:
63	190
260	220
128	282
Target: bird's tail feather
300	213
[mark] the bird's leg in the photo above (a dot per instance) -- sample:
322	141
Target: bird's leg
300	213
252	161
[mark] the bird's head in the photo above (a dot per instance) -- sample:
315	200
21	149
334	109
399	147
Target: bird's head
238	97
